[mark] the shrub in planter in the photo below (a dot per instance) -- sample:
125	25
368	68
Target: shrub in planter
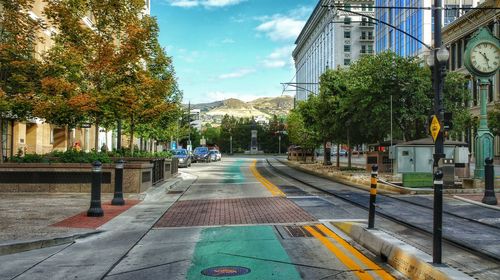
71	156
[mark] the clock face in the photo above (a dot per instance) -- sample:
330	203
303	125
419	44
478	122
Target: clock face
485	57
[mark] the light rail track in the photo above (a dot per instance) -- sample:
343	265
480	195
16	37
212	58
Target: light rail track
466	225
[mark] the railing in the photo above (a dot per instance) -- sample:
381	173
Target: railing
158	170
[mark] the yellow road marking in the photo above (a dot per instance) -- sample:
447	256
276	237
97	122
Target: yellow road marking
349	263
275	191
366	261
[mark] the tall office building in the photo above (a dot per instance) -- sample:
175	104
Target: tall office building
404	15
331	38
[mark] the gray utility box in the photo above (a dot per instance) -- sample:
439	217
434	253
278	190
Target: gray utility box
447	166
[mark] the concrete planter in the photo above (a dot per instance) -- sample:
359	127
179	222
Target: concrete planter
71	177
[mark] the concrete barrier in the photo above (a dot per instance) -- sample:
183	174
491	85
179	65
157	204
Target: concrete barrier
410	261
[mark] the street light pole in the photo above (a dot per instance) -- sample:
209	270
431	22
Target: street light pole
440	58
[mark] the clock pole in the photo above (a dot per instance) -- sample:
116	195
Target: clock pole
482	60
484	138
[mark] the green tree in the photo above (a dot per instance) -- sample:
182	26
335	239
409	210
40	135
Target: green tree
299	133
494	120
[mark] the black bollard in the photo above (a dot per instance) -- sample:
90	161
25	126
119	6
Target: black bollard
438	217
118	196
489	183
95	209
373	196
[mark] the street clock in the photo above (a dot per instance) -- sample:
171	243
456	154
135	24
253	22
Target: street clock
482	59
482	54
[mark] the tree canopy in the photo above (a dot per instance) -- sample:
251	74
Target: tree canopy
354	104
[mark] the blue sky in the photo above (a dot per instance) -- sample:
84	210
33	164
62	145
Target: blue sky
231	48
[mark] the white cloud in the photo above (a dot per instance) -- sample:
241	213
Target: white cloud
237	74
281	28
204	3
279	58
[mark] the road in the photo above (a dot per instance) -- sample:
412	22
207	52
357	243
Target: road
237	216
221	214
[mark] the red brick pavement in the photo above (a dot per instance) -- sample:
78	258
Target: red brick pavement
233	212
110	211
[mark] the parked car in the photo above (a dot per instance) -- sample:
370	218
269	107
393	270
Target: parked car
201	154
215	155
184	157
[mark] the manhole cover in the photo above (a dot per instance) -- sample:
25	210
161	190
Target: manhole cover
225	271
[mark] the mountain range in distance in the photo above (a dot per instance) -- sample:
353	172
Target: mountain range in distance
264	107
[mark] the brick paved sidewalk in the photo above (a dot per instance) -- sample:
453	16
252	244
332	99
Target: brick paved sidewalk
29	216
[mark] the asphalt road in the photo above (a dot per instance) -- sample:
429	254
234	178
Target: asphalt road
223	218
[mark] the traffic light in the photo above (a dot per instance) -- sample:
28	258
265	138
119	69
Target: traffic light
448	121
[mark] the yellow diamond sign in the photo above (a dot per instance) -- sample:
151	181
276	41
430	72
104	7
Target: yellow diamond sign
435	127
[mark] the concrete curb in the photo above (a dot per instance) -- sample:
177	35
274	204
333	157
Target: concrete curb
17	247
344	180
477	203
405	258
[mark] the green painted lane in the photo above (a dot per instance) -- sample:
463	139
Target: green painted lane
253	247
235	174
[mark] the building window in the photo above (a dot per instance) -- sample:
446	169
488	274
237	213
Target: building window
363	49
347	7
347	61
347	20
450	14
347	34
347	48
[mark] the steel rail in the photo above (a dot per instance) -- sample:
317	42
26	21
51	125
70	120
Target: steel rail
463	246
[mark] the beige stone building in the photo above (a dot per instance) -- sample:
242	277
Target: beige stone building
455	38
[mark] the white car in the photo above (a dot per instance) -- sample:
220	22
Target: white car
214	155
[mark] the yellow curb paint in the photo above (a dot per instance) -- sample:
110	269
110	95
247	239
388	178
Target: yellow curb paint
373	191
344	226
275	191
366	261
349	263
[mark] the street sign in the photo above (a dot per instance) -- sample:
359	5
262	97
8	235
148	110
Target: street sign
435	128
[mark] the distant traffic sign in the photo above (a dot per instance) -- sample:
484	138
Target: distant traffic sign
435	127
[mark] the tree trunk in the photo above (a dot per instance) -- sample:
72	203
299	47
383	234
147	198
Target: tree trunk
1	140
96	136
348	149
338	155
131	142
119	135
327	160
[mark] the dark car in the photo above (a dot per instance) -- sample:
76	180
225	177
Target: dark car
184	157
201	154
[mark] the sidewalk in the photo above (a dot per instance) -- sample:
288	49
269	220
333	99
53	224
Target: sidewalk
36	220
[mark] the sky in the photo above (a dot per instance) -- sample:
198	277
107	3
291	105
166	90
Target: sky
231	48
